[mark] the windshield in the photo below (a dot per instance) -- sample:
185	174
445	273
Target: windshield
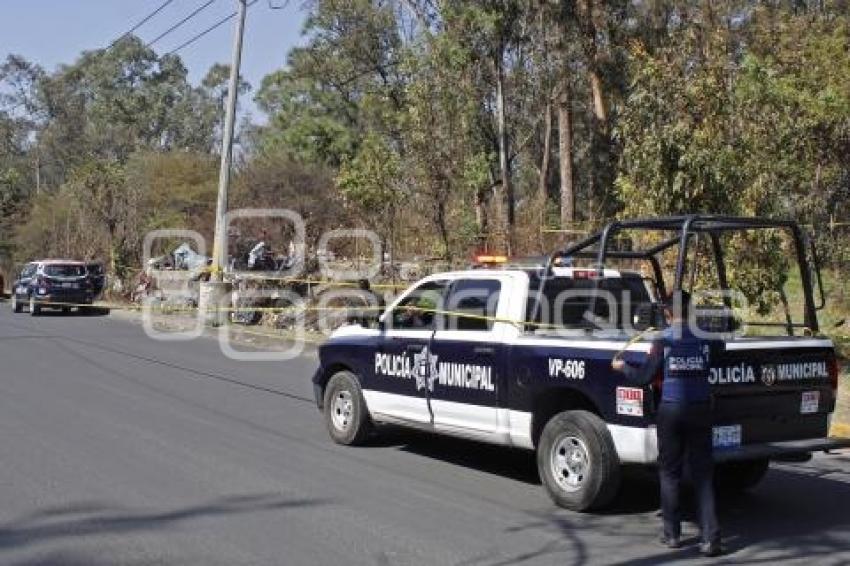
64	270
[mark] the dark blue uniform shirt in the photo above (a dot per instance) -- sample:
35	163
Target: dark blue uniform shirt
684	360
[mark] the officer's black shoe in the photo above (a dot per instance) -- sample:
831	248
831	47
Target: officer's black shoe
670	542
711	549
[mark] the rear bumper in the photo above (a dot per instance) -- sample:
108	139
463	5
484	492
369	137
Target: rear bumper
639	445
64	299
775	449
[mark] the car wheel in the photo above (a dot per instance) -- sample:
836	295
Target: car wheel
346	415
737	477
577	461
17	307
35	308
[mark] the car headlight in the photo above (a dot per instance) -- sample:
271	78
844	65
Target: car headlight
42	291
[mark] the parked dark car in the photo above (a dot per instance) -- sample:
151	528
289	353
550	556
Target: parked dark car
52	283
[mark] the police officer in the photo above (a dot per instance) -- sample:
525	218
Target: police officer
683	421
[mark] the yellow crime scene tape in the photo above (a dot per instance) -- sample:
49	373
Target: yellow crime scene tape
637	337
323	282
329	282
163	309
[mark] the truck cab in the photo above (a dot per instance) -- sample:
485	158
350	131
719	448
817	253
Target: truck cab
522	357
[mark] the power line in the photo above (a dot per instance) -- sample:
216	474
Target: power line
219	23
142	22
181	22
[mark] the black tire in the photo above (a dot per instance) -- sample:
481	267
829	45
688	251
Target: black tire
17	307
577	446
346	415
35	308
737	477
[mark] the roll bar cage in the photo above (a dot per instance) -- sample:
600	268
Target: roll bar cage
597	246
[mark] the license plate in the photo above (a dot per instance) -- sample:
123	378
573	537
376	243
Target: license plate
69	285
727	436
810	402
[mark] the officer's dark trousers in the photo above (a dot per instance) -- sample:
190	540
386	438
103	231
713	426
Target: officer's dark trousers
684	434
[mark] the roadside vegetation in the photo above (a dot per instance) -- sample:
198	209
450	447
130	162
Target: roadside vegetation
451	127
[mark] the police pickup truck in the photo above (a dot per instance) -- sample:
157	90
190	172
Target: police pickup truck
522	357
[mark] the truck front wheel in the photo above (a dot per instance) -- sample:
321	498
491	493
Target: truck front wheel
346	415
577	461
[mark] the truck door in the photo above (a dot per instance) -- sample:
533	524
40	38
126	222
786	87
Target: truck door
464	393
402	362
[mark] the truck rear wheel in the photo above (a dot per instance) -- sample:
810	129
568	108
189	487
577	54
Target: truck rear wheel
17	307
735	477
346	415
577	461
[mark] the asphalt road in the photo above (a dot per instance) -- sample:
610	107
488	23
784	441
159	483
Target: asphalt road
118	449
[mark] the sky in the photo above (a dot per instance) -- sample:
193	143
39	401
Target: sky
52	32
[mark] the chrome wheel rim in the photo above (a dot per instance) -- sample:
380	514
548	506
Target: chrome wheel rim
342	410
570	463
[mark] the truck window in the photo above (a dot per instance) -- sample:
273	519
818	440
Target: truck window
475	301
568	302
416	311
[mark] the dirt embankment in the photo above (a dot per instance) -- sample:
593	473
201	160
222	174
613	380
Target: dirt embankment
841	418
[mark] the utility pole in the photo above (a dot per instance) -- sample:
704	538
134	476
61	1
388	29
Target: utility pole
220	239
215	293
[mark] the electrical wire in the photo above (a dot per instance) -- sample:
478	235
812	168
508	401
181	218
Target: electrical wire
142	22
219	23
181	22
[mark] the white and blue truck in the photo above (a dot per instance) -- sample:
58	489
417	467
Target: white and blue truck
521	356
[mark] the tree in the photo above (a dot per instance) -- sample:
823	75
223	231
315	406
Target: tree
212	96
279	181
371	181
112	102
343	85
112	205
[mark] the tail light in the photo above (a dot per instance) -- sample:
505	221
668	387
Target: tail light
584	273
832	369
